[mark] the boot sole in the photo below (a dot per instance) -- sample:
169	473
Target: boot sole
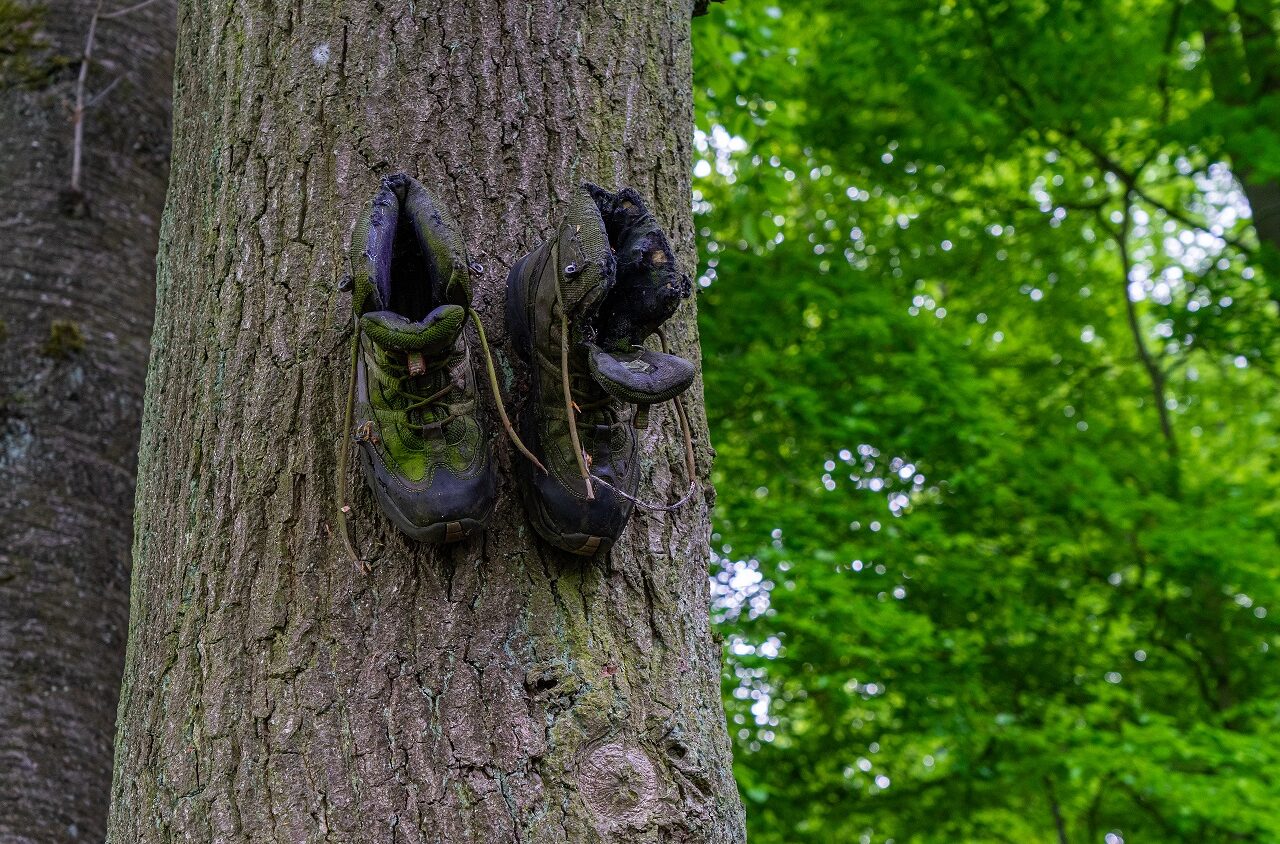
581	544
437	533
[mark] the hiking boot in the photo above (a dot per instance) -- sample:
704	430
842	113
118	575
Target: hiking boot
578	309
424	451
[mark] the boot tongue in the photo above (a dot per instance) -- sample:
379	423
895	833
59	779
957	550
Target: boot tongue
648	285
639	376
436	333
587	261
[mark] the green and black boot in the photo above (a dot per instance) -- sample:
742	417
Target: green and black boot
579	308
413	409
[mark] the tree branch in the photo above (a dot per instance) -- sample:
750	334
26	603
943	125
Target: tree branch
1170	39
127	9
77	119
1091	816
1059	824
77	132
1262	59
1154	372
97	98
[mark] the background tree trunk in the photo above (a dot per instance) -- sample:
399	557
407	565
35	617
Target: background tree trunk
494	691
1244	69
76	296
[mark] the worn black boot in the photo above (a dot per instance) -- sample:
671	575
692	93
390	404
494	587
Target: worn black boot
578	309
423	445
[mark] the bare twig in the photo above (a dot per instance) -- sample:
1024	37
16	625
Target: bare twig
118	13
77	143
97	98
77	120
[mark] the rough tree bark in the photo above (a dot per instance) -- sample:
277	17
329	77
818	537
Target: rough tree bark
494	691
76	296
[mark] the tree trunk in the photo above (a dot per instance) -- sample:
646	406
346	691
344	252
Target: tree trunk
1244	68
1258	37
492	691
76	297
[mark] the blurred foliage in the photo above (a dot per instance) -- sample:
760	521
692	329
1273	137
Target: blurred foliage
991	346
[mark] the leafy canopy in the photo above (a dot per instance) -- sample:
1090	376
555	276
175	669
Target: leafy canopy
991	341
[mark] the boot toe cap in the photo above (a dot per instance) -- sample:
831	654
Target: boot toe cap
445	507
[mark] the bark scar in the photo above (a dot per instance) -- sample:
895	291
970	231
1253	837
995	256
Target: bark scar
620	786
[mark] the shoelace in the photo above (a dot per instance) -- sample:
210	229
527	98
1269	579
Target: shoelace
569	406
401	376
344	509
344	450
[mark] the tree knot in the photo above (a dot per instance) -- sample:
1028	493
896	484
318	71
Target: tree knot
619	785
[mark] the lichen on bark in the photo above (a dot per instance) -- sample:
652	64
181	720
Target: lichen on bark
492	691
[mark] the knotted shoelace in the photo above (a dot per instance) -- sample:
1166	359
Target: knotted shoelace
416	401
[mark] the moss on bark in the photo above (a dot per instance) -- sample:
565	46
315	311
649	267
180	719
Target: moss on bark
493	691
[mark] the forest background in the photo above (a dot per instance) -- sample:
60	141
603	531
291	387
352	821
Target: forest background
988	298
989	304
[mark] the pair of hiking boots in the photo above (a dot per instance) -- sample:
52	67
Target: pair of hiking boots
579	308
